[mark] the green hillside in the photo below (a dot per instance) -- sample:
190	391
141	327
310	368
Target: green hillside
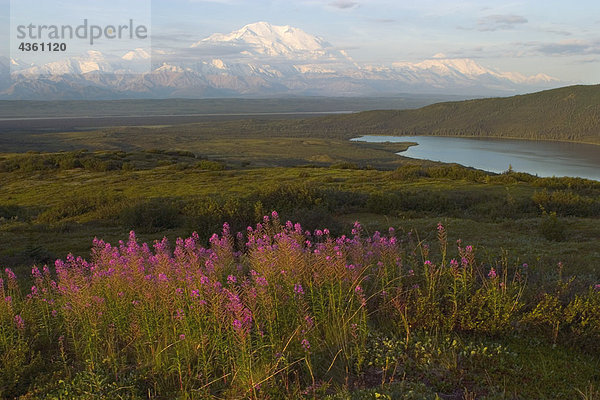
570	113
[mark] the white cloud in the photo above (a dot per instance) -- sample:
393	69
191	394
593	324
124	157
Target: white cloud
500	22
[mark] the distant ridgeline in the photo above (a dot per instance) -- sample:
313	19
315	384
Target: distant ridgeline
570	114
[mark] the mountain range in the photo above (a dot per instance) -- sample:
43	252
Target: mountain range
258	60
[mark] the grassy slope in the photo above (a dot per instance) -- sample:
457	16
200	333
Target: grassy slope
570	113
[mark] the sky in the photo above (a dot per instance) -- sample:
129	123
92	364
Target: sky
559	38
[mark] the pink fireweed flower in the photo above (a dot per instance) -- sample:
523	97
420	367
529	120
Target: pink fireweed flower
54	313
11	275
597	288
182	337
237	325
326	232
274	215
469	249
232	280
35	272
19	322
310	323
305	344
492	274
298	289
262	281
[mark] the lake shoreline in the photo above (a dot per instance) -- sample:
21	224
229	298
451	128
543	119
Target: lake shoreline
482	137
496	155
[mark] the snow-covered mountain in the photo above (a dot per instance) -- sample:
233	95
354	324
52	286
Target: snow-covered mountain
258	60
264	39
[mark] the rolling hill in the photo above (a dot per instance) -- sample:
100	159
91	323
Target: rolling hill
570	113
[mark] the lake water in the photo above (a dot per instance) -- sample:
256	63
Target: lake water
542	158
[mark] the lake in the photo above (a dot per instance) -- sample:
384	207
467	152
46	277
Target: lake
542	158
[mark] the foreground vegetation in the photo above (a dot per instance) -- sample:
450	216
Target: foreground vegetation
280	312
285	311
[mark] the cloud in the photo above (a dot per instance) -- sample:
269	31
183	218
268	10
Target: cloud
558	32
343	4
500	22
569	47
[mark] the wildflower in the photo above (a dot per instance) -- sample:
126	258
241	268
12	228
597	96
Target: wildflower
11	275
231	280
54	313
597	288
492	274
20	323
36	273
298	289
179	291
237	325
305	344
262	281
274	215
182	337
309	321
326	232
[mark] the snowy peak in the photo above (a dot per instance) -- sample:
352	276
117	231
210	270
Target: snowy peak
136	55
264	39
466	68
